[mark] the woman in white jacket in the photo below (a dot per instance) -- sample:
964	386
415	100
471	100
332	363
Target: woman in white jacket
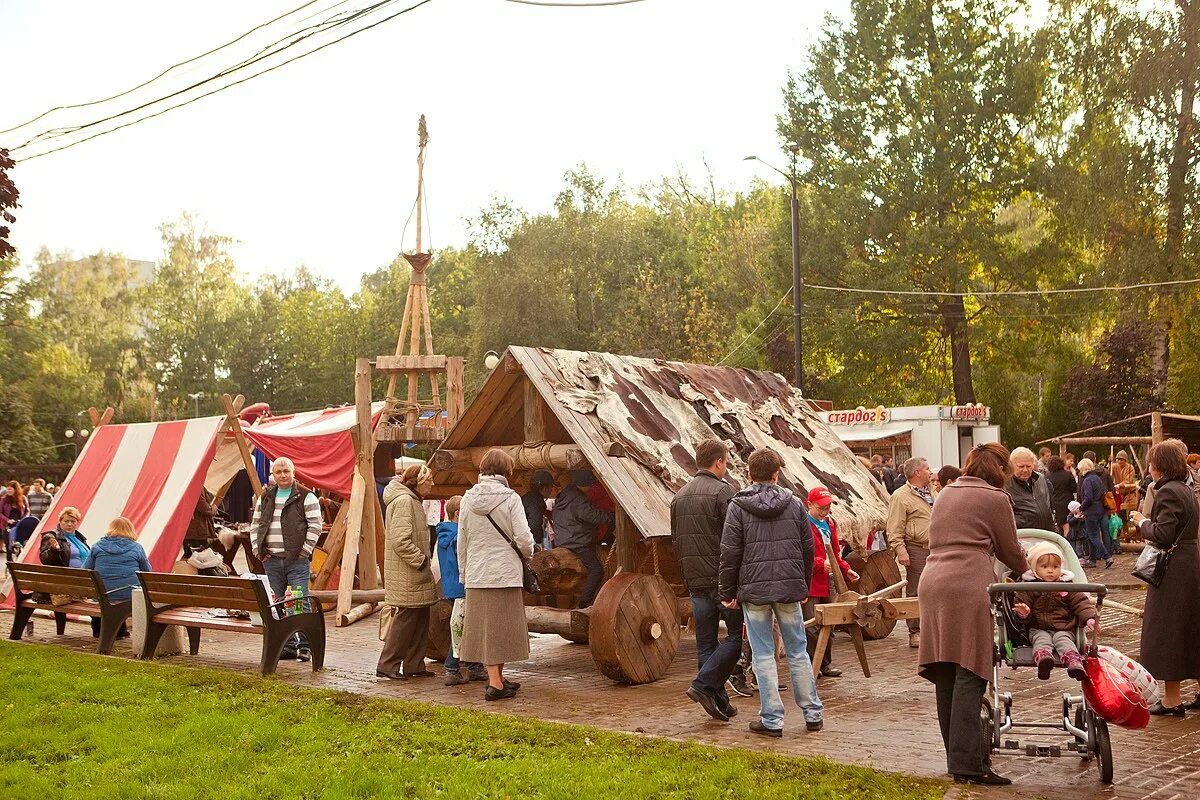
494	630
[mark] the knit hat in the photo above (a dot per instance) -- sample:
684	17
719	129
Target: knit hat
1039	549
1073	506
1122	454
541	478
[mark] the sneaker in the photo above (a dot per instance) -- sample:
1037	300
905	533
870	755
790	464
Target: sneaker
914	639
492	693
456	677
763	730
303	654
708	702
477	674
813	727
737	685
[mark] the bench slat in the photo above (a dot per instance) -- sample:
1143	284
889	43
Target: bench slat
87	609
199	618
180	598
56	584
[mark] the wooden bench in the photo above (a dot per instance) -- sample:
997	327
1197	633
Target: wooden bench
85	587
186	600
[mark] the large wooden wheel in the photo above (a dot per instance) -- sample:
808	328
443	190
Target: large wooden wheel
634	630
877	572
439	630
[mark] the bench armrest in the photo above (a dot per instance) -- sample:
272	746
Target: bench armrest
131	586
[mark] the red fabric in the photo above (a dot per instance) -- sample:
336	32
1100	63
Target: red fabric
152	477
323	462
598	496
820	580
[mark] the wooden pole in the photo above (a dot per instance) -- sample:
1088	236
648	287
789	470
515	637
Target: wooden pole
365	466
350	548
535	413
525	457
234	423
1156	427
334	543
627	541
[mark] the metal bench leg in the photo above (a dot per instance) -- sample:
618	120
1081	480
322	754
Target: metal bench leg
112	617
60	622
193	640
275	638
21	618
316	642
154	632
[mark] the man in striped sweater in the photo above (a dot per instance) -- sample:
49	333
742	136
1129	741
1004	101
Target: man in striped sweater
286	527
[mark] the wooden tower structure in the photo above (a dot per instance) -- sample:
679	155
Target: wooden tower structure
416	417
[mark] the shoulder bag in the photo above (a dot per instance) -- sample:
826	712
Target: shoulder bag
1152	564
529	579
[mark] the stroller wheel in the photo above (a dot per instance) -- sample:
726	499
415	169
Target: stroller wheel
1103	747
1081	723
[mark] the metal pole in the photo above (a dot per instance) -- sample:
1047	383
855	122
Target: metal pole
797	287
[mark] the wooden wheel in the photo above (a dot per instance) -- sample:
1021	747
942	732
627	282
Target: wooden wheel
439	630
877	572
634	630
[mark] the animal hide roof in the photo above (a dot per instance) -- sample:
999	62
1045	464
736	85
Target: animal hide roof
652	414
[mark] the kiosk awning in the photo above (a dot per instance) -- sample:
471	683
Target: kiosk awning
872	433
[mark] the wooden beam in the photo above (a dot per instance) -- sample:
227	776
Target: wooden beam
628	541
365	466
1073	434
399	433
535	413
1117	440
234	423
410	363
350	548
335	540
456	401
525	457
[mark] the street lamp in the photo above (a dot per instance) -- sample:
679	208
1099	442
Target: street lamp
491	359
797	284
195	398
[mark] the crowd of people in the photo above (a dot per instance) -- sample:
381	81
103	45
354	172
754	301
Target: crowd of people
21	509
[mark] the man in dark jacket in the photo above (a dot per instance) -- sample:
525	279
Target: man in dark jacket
1030	492
575	522
541	486
766	569
697	517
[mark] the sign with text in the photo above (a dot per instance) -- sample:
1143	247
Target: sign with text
970	412
859	416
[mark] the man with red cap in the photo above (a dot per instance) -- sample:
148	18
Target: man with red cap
825	540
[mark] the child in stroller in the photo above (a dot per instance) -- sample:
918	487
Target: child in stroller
1054	616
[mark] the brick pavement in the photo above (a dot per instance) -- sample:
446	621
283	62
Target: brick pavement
886	722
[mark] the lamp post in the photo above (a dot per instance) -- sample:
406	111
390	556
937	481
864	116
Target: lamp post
195	398
797	284
491	359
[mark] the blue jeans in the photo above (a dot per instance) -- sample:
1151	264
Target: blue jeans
762	643
716	661
282	575
1095	535
595	573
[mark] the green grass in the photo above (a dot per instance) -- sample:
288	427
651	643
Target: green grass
85	726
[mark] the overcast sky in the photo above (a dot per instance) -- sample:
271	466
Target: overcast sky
315	163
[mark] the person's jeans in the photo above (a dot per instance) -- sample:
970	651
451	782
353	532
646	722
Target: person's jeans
716	661
595	574
762	643
1095	535
283	575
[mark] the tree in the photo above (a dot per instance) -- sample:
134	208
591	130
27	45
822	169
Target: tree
909	120
8	201
20	439
1116	385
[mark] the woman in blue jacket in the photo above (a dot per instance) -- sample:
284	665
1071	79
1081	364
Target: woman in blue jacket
1091	502
118	558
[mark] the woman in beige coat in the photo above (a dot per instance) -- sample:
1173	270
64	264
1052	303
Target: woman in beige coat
972	521
409	588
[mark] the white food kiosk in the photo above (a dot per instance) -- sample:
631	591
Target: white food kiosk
940	434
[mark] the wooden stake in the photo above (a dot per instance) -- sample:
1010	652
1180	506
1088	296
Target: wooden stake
350	548
334	543
234	423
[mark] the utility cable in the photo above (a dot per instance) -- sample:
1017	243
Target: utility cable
756	328
1010	293
598	4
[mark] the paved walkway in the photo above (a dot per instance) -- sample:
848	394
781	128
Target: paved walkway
887	722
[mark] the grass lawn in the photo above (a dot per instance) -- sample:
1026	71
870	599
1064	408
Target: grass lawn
85	726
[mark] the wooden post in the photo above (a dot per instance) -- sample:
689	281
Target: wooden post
455	398
360	529
1156	427
350	548
1062	449
365	466
334	543
627	541
535	413
234	423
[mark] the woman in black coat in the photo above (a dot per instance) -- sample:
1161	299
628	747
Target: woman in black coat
1171	625
1063	487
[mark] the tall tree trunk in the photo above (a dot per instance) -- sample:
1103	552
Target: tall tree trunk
1177	177
954	324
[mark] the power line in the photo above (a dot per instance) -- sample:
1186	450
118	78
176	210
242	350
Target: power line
166	71
1011	293
234	83
757	327
599	4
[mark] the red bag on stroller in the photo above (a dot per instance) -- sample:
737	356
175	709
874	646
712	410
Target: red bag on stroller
1112	696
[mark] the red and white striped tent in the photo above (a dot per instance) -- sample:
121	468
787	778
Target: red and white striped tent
153	472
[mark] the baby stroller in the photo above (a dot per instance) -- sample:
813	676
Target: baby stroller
1090	739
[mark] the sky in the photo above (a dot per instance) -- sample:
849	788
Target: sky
314	163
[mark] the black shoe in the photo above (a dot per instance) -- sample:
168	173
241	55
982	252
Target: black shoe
303	654
708	702
389	675
726	708
511	684
1195	704
988	778
477	674
763	730
1159	710
813	727
288	654
492	693
830	672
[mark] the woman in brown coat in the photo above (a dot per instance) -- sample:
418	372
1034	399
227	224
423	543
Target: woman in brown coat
1171	625
409	588
972	521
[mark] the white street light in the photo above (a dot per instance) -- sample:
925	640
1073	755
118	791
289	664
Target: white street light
491	359
69	434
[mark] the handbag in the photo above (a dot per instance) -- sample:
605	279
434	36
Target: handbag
529	581
1152	564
